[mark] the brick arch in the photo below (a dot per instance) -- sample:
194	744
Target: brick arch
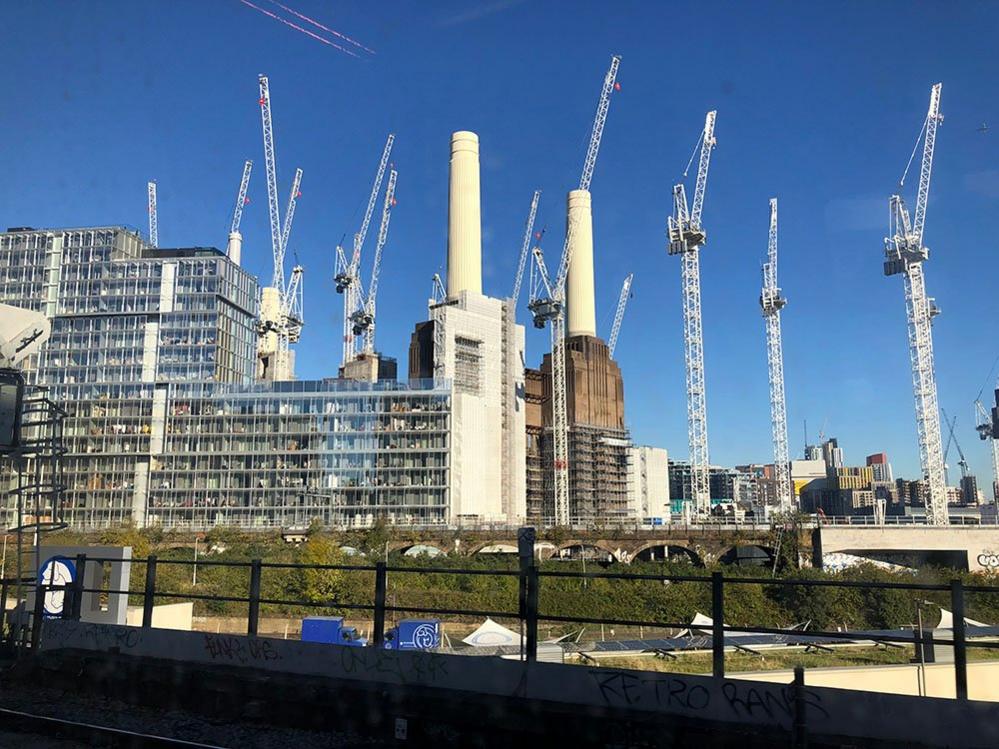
696	558
736	557
601	545
402	547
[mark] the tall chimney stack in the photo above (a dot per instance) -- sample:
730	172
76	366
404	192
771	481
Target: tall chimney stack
235	247
580	298
464	227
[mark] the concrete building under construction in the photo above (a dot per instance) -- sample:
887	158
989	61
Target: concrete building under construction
598	439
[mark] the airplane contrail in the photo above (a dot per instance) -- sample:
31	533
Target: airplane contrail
297	27
316	23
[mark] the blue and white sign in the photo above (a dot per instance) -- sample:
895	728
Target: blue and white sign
56	571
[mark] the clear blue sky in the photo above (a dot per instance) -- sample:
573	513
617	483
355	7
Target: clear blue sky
818	103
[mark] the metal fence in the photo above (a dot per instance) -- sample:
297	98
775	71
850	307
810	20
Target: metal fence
530	577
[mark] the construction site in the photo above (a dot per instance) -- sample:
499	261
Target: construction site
173	425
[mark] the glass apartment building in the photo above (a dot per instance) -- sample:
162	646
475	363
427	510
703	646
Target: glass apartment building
152	354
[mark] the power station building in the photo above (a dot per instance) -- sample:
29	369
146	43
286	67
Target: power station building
472	341
599	442
154	355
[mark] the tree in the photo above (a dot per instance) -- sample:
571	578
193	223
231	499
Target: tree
320	585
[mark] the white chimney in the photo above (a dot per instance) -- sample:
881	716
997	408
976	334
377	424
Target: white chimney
235	248
579	286
464	228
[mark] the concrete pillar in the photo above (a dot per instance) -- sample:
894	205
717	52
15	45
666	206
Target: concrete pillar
582	313
464	227
235	248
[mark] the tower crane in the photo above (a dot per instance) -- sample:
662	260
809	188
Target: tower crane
154	238
241	199
550	308
525	246
347	276
985	426
622	302
951	423
905	254
282	303
772	303
289	213
686	235
363	319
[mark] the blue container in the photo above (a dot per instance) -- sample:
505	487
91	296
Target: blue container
327	629
414	634
330	631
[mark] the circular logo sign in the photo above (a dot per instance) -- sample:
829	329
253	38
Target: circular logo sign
58	571
425	636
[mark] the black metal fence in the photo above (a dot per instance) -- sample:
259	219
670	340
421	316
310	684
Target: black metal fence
529	613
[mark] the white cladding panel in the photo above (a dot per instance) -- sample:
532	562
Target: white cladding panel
487	480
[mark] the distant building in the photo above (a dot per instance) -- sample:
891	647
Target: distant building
721	481
832	454
648	482
969	490
813	452
882	468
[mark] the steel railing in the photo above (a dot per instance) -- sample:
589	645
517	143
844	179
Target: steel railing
529	612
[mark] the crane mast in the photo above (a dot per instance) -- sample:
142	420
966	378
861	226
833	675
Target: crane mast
281	313
273	208
154	238
241	200
551	309
622	302
363	319
772	303
347	277
525	247
289	214
686	235
905	254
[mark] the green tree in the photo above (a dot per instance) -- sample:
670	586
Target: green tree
320	585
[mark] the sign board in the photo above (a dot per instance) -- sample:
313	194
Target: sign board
56	571
58	566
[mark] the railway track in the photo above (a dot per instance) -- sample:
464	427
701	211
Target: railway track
87	734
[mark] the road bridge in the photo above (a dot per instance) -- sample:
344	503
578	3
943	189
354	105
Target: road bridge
974	548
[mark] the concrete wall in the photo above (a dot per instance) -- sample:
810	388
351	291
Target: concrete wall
983	679
645	696
981	544
166	616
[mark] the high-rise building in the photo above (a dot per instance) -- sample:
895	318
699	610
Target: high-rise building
648	483
152	355
832	454
881	467
473	341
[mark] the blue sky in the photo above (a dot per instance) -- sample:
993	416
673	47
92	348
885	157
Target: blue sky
818	103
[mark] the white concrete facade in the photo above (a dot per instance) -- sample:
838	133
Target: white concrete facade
479	349
648	482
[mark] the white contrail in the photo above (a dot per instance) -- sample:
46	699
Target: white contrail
297	27
316	23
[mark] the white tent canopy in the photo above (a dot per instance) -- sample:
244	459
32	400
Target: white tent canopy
947	620
490	634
